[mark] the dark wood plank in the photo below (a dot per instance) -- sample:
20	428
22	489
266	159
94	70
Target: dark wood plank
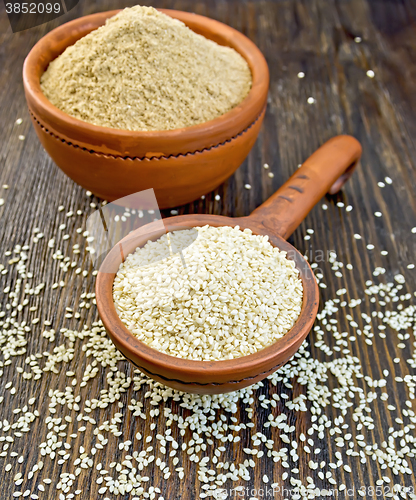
316	37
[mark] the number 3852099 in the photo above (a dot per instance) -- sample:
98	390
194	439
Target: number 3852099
33	8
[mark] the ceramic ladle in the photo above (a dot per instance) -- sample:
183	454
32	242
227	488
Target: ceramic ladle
324	172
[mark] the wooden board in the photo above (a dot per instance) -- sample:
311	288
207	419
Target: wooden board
317	38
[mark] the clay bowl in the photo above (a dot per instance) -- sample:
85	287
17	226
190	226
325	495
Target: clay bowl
180	165
325	171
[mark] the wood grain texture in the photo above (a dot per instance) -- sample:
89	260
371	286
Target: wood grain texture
316	37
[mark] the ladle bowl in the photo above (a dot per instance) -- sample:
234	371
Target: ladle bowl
324	172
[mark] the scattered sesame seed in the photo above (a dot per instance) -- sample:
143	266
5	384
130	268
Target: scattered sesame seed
301	74
349	208
247	186
266	166
217	197
19	121
357	39
378	214
271	175
370	73
22	137
211	421
311	100
357	236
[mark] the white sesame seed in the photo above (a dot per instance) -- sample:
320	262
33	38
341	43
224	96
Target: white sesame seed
203	343
311	100
301	74
370	73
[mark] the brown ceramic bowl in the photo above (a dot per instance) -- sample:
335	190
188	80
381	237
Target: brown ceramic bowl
325	171
180	165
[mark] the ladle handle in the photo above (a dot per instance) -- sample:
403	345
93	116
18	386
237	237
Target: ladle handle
326	171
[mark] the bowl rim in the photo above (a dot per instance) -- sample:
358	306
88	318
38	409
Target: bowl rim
187	371
141	143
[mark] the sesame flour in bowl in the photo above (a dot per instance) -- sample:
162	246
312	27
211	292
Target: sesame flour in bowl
144	70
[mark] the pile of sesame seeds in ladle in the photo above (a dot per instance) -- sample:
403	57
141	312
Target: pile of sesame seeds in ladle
236	295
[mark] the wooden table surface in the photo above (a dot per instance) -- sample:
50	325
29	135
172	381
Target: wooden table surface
317	37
